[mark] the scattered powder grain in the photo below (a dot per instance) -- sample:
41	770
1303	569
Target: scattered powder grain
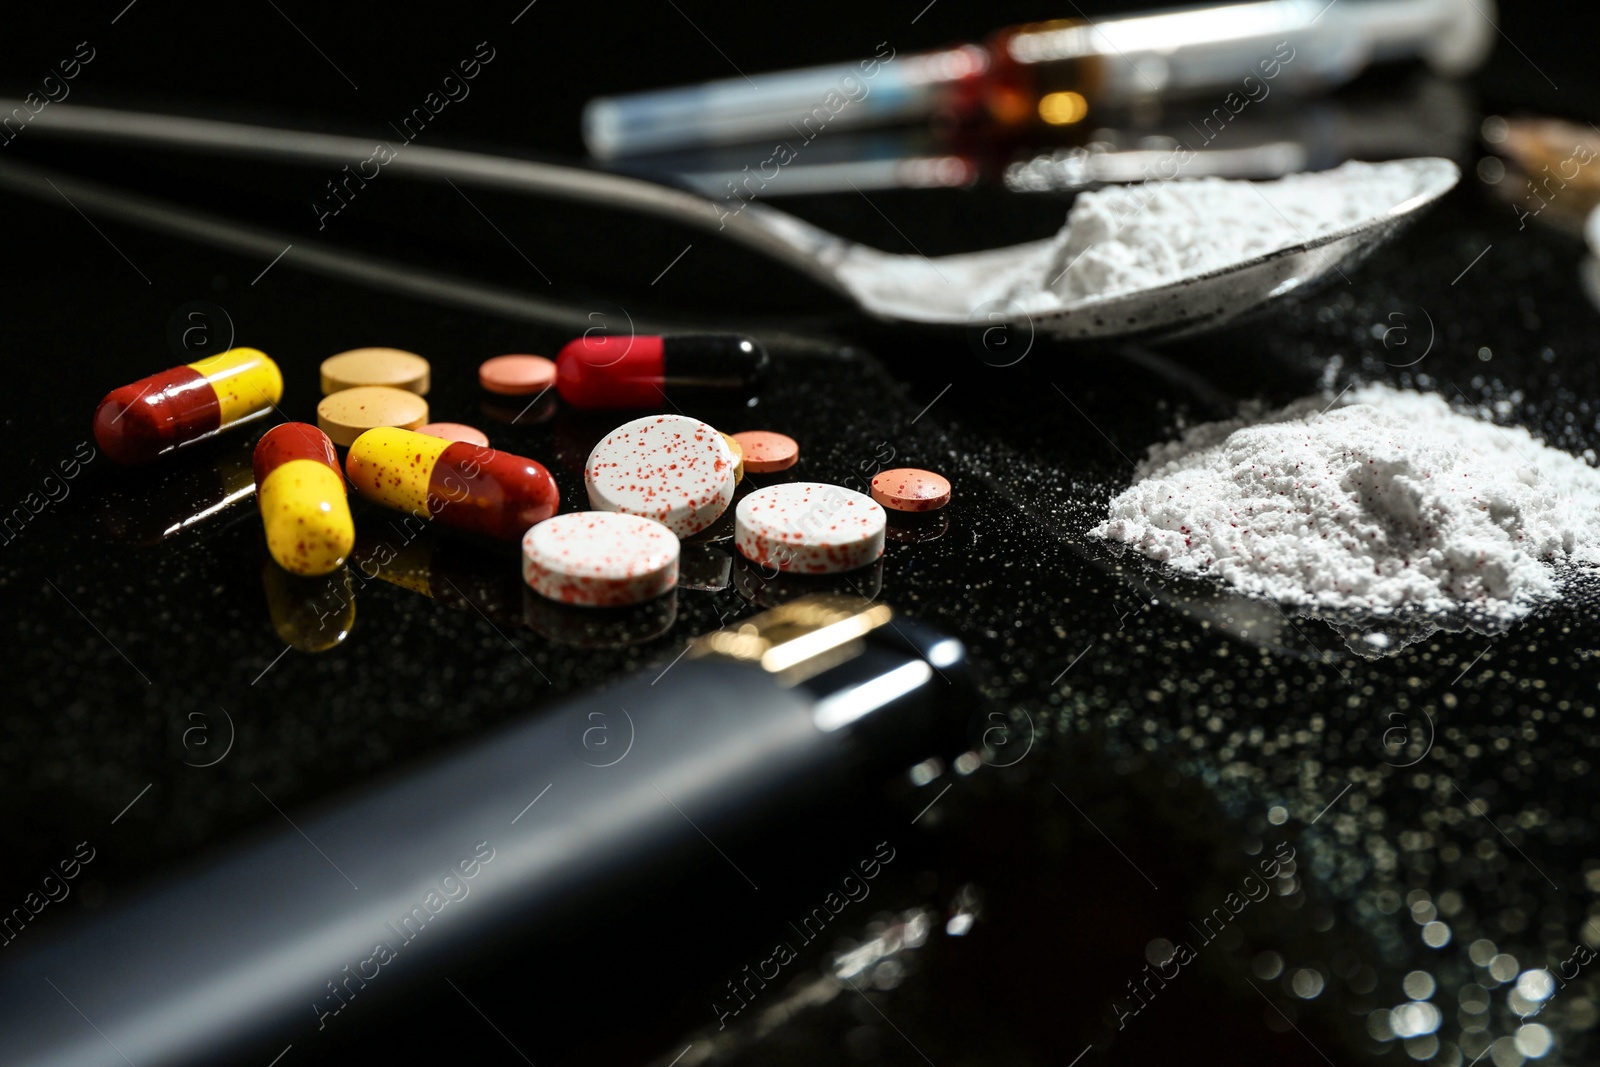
1388	501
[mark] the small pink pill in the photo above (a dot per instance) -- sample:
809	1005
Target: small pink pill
455	431
765	451
911	489
517	375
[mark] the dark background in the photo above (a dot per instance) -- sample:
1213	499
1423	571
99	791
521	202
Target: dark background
1178	734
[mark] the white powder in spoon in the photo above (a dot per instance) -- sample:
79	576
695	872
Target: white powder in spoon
1387	500
1127	237
1132	237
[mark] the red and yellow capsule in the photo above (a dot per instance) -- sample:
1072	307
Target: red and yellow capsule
166	411
461	484
301	492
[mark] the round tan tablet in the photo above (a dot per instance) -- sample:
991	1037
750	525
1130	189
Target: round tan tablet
911	489
738	456
455	431
517	375
765	451
349	413
375	366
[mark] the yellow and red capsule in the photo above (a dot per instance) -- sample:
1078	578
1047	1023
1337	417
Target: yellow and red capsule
166	411
461	484
301	492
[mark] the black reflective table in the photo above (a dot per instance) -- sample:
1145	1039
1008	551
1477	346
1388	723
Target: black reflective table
1201	828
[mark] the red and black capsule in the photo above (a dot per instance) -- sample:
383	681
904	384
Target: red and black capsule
617	371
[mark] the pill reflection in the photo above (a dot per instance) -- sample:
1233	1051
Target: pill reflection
703	566
914	527
601	627
310	614
152	505
530	411
768	587
463	577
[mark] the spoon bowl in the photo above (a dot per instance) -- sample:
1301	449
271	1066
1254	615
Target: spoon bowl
917	289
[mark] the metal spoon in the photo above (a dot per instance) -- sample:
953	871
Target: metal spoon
941	290
1190	304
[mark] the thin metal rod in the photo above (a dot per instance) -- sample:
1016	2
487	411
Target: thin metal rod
151	213
774	234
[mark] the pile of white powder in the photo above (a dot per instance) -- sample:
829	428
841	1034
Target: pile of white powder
1388	501
1127	237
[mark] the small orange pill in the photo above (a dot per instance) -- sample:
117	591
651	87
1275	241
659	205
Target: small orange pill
765	451
455	431
911	489
517	375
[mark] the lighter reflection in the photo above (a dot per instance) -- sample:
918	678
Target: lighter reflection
847	706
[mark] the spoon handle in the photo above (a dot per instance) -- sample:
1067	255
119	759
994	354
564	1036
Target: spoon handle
767	231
